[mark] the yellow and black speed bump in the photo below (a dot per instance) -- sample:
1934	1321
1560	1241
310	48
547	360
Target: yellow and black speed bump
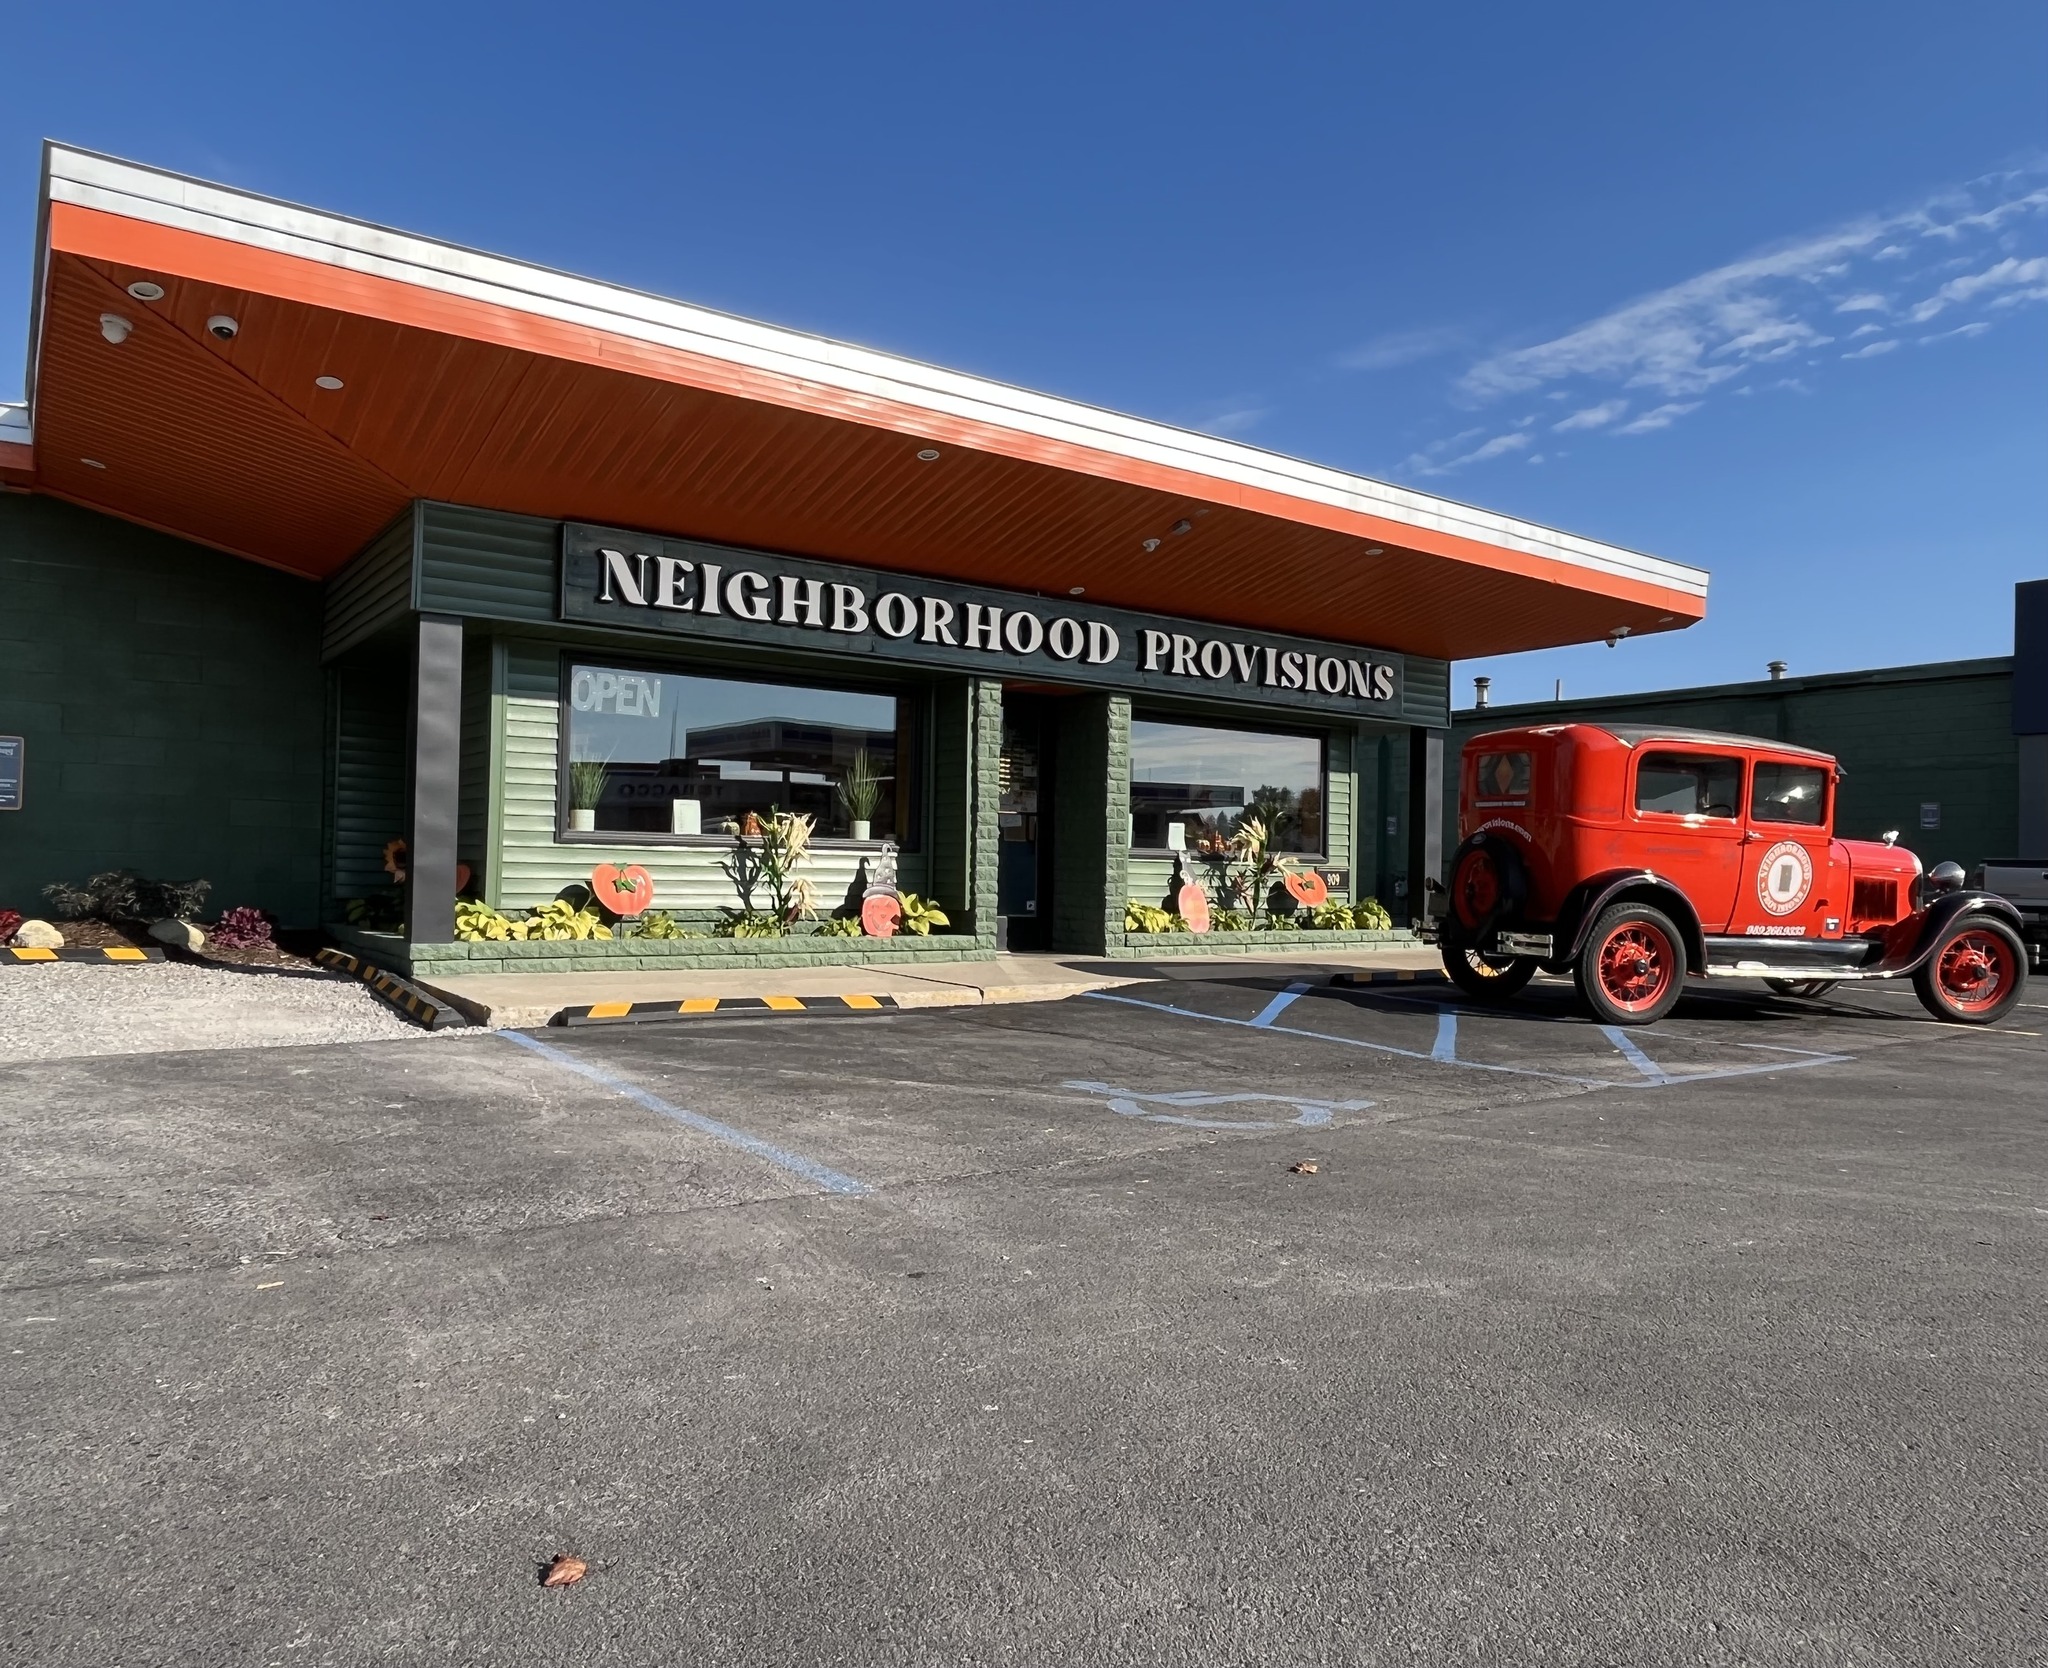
400	994
725	1007
1393	976
125	956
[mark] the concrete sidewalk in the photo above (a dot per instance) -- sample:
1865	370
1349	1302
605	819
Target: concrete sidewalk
520	1000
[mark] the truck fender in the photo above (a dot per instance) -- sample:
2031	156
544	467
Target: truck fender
1943	913
1586	900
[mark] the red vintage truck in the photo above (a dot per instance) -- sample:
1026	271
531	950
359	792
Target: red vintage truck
1634	857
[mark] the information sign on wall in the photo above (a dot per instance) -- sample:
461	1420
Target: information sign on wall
682	588
13	766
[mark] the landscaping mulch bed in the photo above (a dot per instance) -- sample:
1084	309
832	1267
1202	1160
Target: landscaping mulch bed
103	935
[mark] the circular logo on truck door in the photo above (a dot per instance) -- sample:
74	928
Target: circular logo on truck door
1784	877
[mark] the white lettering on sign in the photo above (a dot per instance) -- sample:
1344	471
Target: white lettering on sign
615	692
627	578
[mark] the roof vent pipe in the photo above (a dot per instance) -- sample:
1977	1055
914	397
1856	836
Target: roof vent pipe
1480	686
1776	669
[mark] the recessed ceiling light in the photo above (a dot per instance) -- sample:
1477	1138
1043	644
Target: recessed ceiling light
928	455
143	290
92	463
330	383
114	327
1374	550
1077	590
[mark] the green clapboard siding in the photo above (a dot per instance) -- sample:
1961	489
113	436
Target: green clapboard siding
369	771
532	866
172	705
488	566
1905	735
373	592
473	801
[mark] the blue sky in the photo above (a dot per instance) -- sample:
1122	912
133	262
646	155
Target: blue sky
1761	288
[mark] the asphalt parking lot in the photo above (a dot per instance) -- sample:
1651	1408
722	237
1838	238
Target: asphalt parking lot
1008	1335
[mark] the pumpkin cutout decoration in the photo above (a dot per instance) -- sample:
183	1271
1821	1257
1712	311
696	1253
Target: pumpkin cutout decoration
624	892
1192	905
1307	888
880	914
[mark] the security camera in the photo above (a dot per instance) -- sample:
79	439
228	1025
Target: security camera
114	327
224	327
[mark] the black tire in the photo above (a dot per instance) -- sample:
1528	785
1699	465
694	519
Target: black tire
1489	978
1805	989
1632	968
1976	973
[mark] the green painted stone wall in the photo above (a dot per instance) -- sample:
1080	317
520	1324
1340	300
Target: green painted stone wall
174	710
1906	736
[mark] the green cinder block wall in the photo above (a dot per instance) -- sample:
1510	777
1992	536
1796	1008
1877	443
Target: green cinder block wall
1905	735
173	705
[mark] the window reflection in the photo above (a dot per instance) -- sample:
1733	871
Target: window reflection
659	753
1192	784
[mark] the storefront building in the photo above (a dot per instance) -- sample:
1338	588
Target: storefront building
321	536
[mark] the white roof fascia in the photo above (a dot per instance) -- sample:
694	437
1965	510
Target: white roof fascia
154	196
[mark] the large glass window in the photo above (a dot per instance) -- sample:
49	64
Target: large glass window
1686	785
1192	784
1790	793
661	753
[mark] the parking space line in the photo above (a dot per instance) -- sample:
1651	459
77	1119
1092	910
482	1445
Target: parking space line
1634	1055
1445	1049
1347	1042
1279	1005
833	1181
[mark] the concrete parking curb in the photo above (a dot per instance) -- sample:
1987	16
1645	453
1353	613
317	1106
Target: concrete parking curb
724	1007
402	995
126	956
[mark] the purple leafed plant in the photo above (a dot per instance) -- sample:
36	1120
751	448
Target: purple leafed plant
241	928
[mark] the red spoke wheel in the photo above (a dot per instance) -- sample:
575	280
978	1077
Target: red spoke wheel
1490	978
1976	974
1632	967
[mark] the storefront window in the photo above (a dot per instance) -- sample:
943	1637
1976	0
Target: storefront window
1192	784
660	753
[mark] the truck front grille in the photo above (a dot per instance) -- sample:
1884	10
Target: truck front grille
1875	900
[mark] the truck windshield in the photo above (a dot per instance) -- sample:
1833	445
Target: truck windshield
1790	793
1689	785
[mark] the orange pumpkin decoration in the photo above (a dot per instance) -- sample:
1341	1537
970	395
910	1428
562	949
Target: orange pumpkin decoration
1193	904
1307	888
880	915
621	891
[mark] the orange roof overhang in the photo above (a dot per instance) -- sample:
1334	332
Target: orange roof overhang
478	381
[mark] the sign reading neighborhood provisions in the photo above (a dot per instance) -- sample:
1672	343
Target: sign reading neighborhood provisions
682	588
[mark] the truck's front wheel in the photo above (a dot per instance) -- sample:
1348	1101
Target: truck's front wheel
1976	973
1633	966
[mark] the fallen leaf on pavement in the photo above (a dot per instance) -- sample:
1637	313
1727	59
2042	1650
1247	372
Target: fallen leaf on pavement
1307	1167
565	1571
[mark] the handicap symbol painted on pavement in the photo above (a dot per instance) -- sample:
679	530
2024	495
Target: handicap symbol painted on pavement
1172	1107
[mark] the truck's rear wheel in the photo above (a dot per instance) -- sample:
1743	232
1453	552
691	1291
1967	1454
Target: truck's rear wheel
1633	966
1490	978
1976	973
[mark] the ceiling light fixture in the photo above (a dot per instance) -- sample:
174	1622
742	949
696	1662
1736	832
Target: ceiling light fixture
928	455
1077	590
1375	550
114	327
92	463
1151	544
144	290
330	383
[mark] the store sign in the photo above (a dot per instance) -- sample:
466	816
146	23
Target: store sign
13	766
681	588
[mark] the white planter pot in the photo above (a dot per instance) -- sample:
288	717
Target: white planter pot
583	822
862	828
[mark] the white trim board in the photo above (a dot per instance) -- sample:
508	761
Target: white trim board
157	197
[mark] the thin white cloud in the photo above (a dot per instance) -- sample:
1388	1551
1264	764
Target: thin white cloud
1400	347
1433	460
1870	350
1661	418
1592	416
1976	327
2028	280
1237	422
1868	302
1866	330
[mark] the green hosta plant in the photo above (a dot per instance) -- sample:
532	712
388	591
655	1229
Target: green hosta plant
477	923
1370	915
1144	917
659	923
841	926
749	923
560	918
920	915
1229	920
1331	917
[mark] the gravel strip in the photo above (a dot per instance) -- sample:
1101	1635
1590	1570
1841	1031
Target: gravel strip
63	1010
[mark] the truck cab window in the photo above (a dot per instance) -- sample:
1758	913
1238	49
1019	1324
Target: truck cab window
1689	785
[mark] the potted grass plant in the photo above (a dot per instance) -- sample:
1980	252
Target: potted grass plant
586	788
860	790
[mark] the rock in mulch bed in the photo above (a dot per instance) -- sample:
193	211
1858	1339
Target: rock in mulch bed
62	1010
